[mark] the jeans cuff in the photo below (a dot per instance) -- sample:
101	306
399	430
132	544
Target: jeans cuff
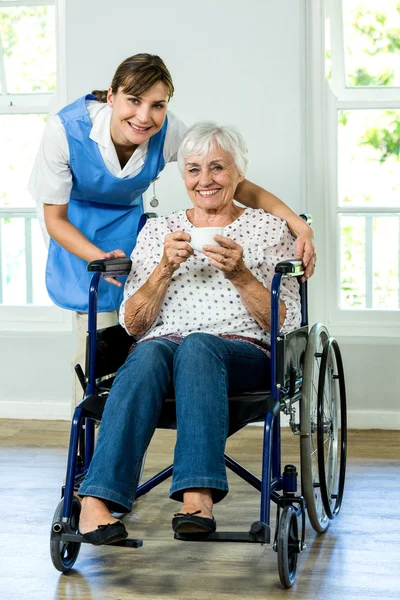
116	502
219	488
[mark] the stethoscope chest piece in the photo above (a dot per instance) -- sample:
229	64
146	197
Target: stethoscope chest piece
154	201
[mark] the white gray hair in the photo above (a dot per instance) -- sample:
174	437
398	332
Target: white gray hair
202	137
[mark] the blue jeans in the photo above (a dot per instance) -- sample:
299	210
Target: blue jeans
203	369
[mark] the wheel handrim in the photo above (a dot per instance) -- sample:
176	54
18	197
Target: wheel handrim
309	415
331	440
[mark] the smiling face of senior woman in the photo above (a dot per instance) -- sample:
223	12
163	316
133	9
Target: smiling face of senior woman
211	180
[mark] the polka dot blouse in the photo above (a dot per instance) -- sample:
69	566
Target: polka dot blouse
199	297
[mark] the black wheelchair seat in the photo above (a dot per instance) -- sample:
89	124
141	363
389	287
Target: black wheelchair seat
112	348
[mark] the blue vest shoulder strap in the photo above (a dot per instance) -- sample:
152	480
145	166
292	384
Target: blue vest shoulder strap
75	110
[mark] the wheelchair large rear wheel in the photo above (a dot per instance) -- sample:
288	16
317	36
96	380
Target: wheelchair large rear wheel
288	546
64	554
331	428
311	490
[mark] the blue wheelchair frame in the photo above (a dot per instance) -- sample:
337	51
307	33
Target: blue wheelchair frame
296	359
272	479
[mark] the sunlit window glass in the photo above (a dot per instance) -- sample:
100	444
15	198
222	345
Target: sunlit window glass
368	177
372	42
28	49
369	262
23	261
386	258
13	261
328	50
369	158
19	142
27	68
352	262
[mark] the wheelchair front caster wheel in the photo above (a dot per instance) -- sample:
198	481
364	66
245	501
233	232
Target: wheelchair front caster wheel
287	546
64	554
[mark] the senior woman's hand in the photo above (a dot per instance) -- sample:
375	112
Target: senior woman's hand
228	257
176	250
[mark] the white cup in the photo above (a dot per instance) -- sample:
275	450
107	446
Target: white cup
204	236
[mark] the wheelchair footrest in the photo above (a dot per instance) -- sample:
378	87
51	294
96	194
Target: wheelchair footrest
79	539
260	533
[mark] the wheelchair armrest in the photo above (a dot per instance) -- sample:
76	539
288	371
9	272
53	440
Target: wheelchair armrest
290	268
111	267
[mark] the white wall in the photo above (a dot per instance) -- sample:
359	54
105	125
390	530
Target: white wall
235	62
231	62
36	380
373	381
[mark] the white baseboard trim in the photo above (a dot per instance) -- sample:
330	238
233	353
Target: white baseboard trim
34	410
373	419
61	411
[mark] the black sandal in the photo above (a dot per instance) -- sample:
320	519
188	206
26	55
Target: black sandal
189	523
106	534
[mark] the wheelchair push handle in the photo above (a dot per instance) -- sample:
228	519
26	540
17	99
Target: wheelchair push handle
290	268
111	267
307	218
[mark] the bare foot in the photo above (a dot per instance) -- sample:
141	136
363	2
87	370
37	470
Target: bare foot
94	512
195	499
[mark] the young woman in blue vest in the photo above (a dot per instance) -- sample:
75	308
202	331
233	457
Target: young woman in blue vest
97	157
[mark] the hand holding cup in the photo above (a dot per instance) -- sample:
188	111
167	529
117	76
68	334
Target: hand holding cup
227	257
176	250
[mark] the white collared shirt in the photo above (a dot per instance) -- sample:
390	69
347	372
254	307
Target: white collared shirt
51	177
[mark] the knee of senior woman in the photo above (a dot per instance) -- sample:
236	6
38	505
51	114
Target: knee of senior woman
149	355
197	343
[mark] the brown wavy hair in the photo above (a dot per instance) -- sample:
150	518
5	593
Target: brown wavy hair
136	75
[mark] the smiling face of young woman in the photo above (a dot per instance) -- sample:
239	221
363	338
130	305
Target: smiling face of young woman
136	119
211	180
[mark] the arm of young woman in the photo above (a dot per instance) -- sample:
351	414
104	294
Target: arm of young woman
254	196
61	230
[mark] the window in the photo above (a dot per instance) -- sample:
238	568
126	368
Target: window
28	77
360	123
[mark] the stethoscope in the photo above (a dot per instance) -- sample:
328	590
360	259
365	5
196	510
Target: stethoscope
154	200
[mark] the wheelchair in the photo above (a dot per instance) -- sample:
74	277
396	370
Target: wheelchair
307	385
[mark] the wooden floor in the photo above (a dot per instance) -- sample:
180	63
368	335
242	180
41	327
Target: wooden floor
357	558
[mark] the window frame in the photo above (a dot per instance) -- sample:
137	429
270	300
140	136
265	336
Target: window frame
37	318
323	101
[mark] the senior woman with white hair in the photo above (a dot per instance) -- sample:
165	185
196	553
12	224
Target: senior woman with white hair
200	322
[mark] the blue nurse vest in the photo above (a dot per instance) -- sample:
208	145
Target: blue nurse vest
105	208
